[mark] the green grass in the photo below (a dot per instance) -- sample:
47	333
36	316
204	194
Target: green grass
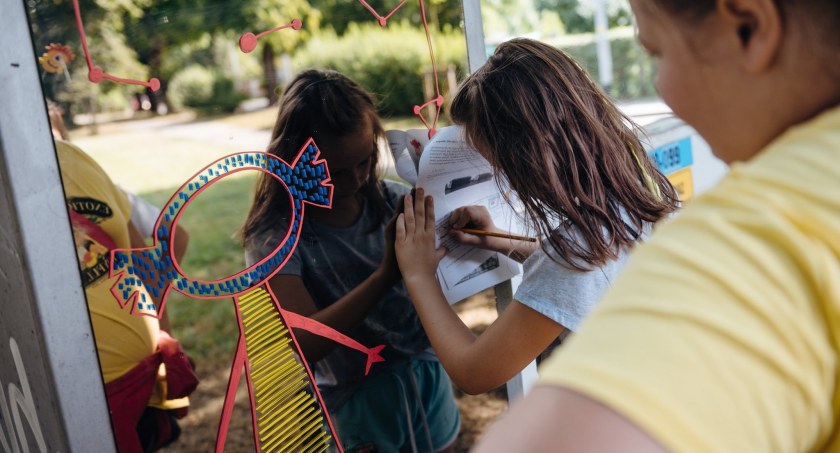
208	328
144	160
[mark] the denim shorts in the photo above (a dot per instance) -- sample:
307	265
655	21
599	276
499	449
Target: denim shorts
417	393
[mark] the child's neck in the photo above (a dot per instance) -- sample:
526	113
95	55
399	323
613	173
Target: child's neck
344	213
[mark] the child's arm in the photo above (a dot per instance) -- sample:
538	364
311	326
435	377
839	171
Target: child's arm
478	217
475	364
344	314
552	418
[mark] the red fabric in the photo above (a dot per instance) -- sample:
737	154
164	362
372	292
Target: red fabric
92	229
129	394
181	380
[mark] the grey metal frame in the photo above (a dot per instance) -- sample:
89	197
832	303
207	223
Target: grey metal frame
46	344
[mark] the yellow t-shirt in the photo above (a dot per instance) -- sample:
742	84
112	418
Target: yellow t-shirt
722	334
122	339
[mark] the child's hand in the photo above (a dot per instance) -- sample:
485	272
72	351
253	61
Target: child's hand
477	217
415	244
389	266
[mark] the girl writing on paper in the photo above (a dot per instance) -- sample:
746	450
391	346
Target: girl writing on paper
587	187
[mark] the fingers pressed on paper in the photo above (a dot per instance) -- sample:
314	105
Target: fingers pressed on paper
441	252
400	227
420	209
409	215
430	213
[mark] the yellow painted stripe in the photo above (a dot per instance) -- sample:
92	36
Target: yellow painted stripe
288	417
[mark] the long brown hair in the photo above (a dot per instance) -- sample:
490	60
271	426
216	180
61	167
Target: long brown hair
317	104
572	157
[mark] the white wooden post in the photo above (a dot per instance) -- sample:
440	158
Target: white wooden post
477	55
51	393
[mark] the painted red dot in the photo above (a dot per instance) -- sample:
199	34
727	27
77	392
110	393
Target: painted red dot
383	22
247	42
154	83
296	24
96	74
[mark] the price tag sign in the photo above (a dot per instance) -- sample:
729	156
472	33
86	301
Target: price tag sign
674	160
683	181
673	156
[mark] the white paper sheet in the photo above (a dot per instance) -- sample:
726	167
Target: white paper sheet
406	147
456	175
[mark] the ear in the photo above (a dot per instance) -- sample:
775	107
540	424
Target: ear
758	26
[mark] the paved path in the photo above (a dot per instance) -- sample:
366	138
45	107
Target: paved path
213	138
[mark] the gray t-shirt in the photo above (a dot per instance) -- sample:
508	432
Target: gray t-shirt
561	292
332	261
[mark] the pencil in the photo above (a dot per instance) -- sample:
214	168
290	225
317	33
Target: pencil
495	234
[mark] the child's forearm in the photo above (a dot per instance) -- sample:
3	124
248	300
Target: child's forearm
345	314
450	337
480	364
516	249
520	250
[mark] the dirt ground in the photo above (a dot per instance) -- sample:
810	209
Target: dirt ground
200	426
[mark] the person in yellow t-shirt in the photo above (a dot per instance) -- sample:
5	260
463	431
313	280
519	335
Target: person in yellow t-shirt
91	195
722	334
127	343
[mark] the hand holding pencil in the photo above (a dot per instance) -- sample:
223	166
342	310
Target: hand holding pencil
472	225
495	234
476	226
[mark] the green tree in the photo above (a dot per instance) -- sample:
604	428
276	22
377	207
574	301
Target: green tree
264	15
165	24
577	15
54	22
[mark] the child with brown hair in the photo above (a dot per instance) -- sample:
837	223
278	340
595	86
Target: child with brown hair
343	273
576	164
723	333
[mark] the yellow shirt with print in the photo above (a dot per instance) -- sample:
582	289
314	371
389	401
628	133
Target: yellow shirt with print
122	339
722	334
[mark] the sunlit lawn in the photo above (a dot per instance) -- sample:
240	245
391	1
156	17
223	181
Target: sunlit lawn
207	328
144	160
154	165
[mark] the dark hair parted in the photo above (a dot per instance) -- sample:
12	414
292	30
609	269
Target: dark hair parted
564	148
316	104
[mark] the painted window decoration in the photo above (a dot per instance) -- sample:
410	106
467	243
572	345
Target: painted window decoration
247	43
287	410
286	407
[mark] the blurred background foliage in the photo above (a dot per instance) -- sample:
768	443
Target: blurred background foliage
191	46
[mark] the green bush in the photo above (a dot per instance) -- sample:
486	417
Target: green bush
190	86
203	89
389	62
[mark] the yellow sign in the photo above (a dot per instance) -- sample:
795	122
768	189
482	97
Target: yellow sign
683	181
